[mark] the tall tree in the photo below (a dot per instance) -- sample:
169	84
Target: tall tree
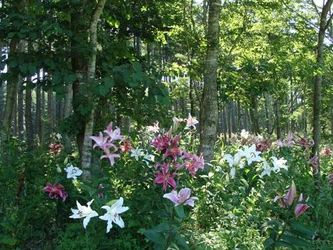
209	104
324	23
91	72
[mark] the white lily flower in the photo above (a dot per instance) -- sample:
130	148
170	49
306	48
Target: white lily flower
267	169
136	153
251	154
278	164
83	212
147	158
73	172
113	214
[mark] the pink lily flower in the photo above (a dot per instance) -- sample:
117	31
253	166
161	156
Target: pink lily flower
300	207
288	199
56	190
194	162
165	177
101	141
161	142
191	122
181	197
174	150
110	156
114	134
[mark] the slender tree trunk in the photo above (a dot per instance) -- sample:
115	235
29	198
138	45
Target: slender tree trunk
88	131
67	112
50	110
38	113
209	104
28	117
12	90
20	112
278	119
325	21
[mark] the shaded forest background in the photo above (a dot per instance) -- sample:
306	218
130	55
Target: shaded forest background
150	62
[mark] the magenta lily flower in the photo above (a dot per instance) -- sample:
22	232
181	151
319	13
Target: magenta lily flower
165	177
55	191
161	143
181	197
174	150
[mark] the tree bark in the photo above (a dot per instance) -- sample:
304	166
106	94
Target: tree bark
28	117
317	92
88	131
209	104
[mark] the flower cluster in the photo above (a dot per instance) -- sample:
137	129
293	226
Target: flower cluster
112	214
287	200
250	154
57	190
113	208
173	159
107	143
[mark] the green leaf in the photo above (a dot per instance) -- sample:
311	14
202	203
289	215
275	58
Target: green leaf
180	211
110	203
268	242
181	241
295	241
163	227
154	236
284	244
303	230
6	240
89	189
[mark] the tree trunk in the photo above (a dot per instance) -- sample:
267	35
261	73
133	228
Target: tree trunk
50	110
20	112
324	24
12	90
88	131
278	119
209	104
28	117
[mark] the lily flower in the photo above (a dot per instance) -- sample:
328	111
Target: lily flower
83	212
165	177
181	197
233	161
111	157
278	164
174	150
56	190
153	129
267	169
193	163
161	142
113	214
136	153
114	134
101	141
73	172
288	199
191	122
300	207
251	154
